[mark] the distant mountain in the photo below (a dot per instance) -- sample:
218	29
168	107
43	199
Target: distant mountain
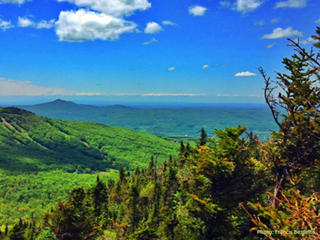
32	143
178	122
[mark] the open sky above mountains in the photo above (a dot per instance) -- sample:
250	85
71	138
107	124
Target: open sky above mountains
147	50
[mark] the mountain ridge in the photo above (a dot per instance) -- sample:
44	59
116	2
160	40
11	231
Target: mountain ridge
32	142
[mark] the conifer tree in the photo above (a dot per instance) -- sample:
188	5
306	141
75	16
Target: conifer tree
203	138
121	174
298	139
182	148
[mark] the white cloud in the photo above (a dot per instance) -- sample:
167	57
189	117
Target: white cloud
25	22
270	45
282	33
318	21
171	69
45	24
292	4
113	7
85	25
4	25
152	28
245	74
260	23
12	1
197	10
245	6
89	94
205	66
168	23
309	40
275	20
10	87
225	3
151	41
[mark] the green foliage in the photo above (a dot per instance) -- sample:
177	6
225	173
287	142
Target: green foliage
30	195
293	151
25	138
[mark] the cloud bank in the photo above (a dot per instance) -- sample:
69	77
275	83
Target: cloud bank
161	94
9	87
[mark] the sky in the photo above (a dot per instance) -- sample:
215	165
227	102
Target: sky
147	50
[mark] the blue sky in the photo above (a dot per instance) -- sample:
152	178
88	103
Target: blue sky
147	50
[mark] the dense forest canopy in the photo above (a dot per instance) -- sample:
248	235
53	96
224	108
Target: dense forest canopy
232	186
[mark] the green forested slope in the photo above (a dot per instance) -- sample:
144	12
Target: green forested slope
40	158
32	143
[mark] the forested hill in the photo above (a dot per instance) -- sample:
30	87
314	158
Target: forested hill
175	122
32	143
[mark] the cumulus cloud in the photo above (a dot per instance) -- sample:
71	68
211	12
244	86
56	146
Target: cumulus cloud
245	6
152	28
282	33
45	24
318	21
151	41
197	10
12	1
275	20
9	87
25	22
292	4
168	23
205	66
4	25
171	69
113	7
245	74
270	45
84	25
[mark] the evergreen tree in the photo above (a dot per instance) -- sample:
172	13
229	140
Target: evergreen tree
121	174
203	138
182	148
298	139
99	197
